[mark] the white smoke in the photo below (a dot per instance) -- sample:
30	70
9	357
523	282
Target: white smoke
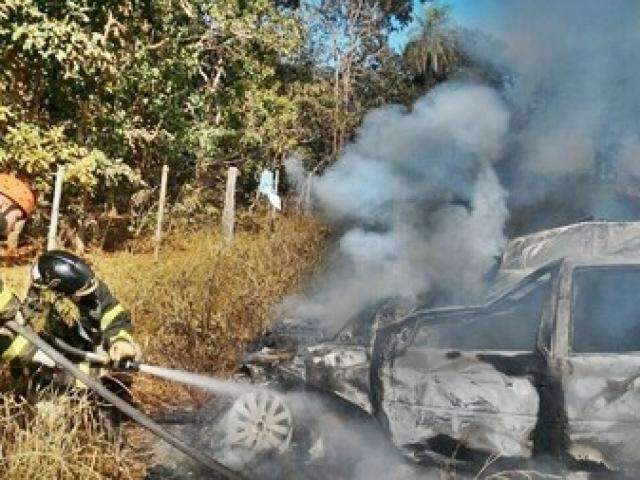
295	172
419	203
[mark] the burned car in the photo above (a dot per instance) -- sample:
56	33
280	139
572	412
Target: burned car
548	367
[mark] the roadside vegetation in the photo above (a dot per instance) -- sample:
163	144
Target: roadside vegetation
196	309
59	438
205	300
114	90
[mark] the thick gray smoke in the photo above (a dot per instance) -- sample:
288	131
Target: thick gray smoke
419	203
570	150
574	89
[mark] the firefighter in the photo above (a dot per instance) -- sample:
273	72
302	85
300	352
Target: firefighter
17	204
10	346
66	300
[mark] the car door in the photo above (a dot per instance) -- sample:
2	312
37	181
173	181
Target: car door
601	372
460	381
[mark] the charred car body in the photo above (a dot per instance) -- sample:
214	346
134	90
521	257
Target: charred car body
548	366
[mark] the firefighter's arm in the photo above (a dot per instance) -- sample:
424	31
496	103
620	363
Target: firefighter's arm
117	329
15	347
12	346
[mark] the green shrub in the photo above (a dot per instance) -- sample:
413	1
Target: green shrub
91	177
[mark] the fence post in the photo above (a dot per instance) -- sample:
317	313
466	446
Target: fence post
229	212
52	237
163	196
306	195
276	181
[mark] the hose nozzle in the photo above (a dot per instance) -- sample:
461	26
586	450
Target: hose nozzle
126	365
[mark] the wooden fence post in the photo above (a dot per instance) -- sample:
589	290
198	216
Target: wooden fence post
276	181
161	202
306	195
52	238
229	212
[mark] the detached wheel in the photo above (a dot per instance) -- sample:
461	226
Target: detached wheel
257	423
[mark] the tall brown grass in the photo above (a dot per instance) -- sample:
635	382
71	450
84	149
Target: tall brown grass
204	300
59	438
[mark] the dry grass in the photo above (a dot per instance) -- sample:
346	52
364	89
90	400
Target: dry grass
58	438
17	277
199	306
195	309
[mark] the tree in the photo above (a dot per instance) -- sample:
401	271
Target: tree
49	59
191	83
348	43
432	52
120	87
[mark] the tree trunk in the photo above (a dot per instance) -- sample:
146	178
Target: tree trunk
336	109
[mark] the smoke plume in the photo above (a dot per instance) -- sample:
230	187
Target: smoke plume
418	203
422	197
573	86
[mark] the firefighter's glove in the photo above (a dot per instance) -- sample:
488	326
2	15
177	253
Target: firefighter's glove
122	349
41	358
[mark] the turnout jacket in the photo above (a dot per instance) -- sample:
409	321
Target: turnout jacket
10	346
94	321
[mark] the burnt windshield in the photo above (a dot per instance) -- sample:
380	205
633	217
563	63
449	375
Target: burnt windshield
509	324
606	309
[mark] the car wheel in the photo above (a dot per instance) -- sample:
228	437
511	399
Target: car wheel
257	423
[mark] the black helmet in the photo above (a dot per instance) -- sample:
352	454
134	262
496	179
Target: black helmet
64	272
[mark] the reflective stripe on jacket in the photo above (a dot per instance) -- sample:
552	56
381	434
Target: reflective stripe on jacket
11	346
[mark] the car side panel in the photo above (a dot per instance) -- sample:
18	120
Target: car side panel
343	370
603	408
431	394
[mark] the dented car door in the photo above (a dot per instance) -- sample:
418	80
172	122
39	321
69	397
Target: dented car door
599	343
459	382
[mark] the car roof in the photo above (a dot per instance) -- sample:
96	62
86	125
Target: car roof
612	260
529	257
590	240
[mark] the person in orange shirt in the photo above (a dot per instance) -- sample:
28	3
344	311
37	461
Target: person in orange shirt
17	204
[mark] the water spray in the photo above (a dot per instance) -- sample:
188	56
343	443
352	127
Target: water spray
203	382
131	412
257	421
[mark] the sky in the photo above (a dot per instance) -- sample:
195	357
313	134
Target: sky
475	13
481	14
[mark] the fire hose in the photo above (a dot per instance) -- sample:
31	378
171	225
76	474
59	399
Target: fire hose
134	414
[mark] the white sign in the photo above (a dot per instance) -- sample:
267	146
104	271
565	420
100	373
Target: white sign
267	188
